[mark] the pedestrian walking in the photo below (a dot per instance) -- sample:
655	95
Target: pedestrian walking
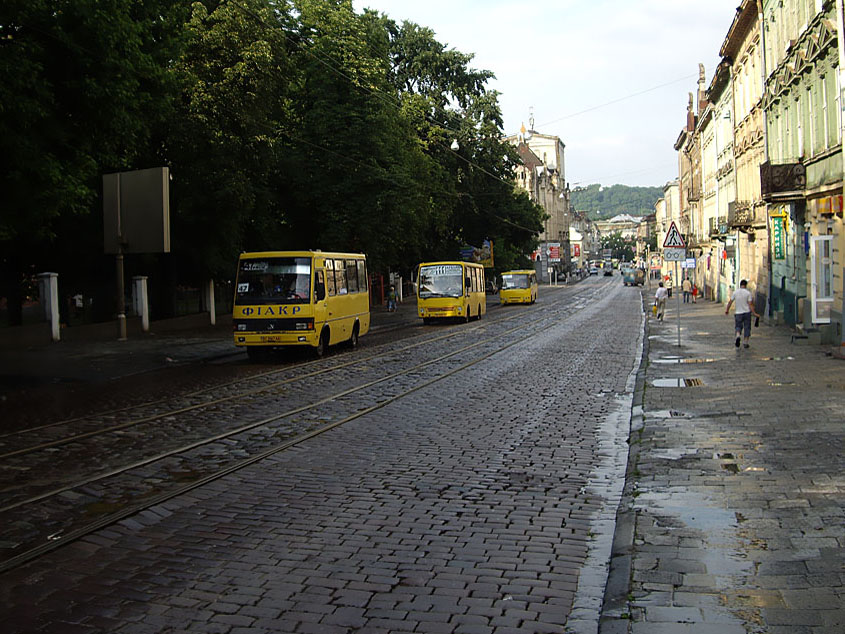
660	298
743	309
669	284
686	287
391	299
694	292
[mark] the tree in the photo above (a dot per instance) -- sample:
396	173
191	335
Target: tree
84	88
621	248
472	192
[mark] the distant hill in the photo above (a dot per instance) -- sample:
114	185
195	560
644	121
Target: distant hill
605	202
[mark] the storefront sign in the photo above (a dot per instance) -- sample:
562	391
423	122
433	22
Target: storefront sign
778	238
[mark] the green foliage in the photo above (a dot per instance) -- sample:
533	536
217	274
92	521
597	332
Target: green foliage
285	124
605	202
622	248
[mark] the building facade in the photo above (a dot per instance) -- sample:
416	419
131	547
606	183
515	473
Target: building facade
543	176
802	178
760	166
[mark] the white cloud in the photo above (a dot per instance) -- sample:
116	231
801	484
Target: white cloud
595	71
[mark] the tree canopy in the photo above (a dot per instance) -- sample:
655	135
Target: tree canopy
285	124
605	202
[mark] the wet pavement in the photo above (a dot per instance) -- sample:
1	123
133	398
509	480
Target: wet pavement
462	507
733	517
89	370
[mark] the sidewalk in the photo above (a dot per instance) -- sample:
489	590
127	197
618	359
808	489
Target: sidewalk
733	517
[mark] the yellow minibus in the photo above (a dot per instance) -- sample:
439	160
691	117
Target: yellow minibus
300	298
450	289
518	287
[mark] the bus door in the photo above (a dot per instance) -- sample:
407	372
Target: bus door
467	283
321	304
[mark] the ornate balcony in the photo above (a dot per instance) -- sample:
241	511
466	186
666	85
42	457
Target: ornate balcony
718	226
782	180
741	214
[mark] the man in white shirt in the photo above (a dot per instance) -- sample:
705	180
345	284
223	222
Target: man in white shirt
741	298
660	300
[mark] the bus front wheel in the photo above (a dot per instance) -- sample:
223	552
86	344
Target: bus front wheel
323	344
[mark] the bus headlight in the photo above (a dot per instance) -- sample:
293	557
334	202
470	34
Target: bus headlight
459	310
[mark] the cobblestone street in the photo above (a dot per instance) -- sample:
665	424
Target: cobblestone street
480	502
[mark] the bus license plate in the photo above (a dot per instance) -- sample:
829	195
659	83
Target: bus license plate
271	339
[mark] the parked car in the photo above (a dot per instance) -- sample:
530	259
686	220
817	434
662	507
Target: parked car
594	270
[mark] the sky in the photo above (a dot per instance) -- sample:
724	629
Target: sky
611	78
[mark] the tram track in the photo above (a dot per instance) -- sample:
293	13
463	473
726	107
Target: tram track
10	447
64	513
454	332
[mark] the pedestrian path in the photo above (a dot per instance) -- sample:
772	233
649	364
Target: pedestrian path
733	517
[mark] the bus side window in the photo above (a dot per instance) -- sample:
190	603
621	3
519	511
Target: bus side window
352	276
362	275
320	286
330	277
340	277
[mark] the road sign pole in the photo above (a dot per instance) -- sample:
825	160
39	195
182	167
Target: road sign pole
678	288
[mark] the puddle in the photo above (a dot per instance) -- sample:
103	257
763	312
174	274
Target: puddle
668	413
723	553
669	454
677	382
673	360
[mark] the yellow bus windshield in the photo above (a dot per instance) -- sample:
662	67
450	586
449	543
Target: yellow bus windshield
273	280
515	281
441	280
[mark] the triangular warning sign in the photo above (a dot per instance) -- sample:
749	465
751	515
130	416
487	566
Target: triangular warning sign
674	239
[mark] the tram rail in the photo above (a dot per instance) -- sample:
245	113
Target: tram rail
64	512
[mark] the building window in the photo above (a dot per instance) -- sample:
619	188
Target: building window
787	132
811	121
825	127
837	130
799	125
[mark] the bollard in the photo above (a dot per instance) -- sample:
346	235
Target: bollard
48	288
141	300
209	301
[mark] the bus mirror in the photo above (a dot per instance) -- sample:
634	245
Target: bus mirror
319	292
468	282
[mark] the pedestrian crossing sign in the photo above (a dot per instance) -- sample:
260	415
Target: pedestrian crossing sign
674	239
